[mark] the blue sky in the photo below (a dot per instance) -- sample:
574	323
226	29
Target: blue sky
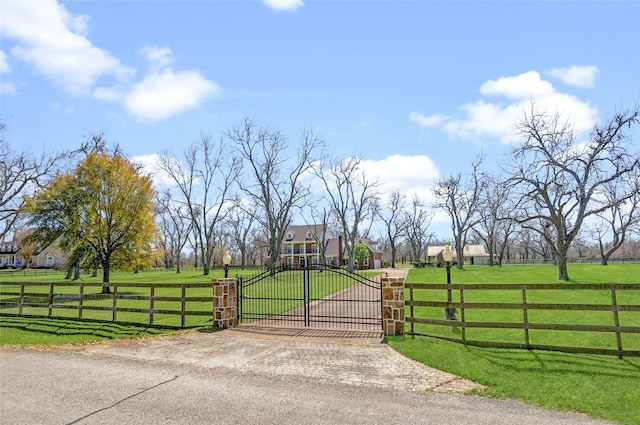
416	87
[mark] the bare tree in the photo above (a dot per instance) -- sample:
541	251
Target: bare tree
394	221
496	223
319	224
557	179
619	218
257	246
204	181
460	198
273	181
353	199
21	174
417	221
175	228
240	225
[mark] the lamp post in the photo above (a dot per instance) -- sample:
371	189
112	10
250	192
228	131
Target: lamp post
226	260
449	310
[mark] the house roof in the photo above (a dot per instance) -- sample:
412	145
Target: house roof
373	246
299	232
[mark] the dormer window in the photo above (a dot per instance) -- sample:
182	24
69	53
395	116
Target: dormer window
289	236
309	235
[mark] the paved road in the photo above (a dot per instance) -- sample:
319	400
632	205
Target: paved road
228	378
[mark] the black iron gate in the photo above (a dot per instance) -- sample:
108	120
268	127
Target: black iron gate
316	297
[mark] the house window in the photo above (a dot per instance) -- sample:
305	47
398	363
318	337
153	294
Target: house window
314	249
289	261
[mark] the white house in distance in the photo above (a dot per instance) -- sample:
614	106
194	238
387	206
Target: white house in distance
473	254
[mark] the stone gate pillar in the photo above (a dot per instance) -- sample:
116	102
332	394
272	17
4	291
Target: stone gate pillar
393	305
225	302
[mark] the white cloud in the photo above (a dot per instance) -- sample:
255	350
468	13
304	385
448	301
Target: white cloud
53	42
430	121
498	118
521	86
77	24
580	76
168	93
164	92
159	57
4	65
413	175
284	4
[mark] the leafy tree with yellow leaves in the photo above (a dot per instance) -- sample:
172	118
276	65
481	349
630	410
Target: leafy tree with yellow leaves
102	212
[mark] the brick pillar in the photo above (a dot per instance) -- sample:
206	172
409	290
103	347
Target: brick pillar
225	302
393	305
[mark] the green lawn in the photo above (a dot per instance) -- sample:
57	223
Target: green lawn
44	331
547	273
600	386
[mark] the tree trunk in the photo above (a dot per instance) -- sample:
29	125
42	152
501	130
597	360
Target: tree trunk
563	273
76	273
105	277
393	256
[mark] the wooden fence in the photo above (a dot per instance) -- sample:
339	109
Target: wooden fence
574	318
151	304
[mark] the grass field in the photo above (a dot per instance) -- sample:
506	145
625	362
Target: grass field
29	331
588	273
600	386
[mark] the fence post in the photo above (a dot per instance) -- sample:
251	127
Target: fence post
21	298
80	300
115	303
183	303
525	316
463	317
225	302
616	319
411	308
393	305
50	298
152	296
